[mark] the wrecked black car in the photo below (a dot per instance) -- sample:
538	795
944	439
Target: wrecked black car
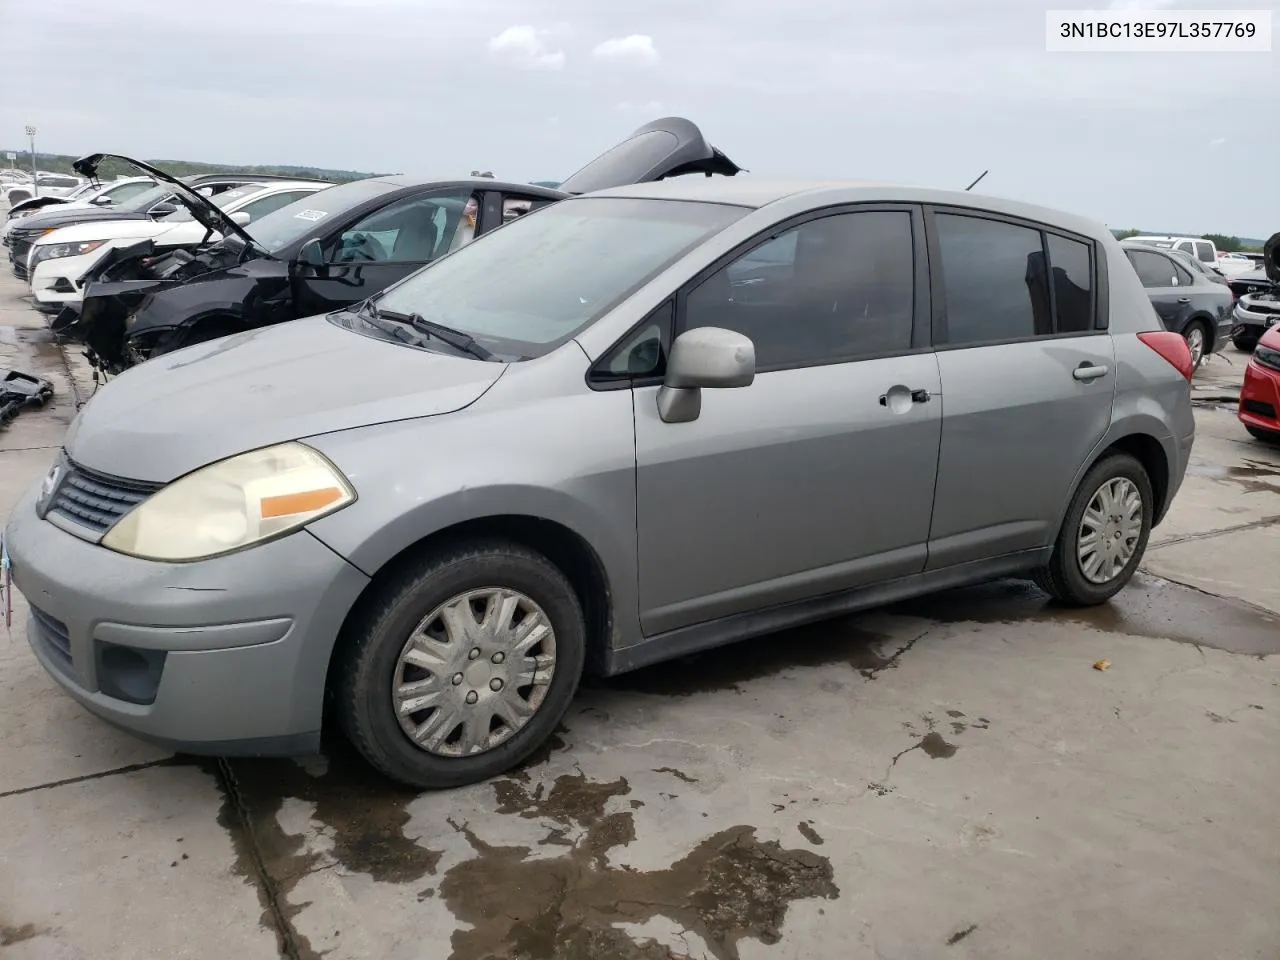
330	250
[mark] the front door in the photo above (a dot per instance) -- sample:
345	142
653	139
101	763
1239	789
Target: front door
819	476
367	256
1027	380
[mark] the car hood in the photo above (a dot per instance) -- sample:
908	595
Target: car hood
208	214
107	230
182	410
62	216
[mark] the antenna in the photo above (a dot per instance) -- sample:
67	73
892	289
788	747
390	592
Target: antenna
975	183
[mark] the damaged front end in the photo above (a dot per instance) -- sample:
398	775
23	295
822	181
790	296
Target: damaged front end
117	287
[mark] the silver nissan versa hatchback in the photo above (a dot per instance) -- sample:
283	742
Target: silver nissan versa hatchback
634	424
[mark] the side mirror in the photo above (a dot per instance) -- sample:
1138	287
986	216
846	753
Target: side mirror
101	201
241	217
706	357
311	255
163	209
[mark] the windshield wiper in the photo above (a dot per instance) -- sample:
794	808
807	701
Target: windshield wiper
397	331
455	338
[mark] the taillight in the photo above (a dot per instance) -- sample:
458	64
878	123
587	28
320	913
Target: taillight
1173	348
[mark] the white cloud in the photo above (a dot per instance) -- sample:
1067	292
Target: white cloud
1217	141
653	107
636	48
524	46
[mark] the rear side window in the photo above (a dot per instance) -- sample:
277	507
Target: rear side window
1071	269
994	280
1204	250
1153	269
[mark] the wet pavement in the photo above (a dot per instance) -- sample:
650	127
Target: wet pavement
947	777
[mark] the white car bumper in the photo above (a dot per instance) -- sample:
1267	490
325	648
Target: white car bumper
56	283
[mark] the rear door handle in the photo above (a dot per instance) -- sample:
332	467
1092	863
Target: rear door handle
1089	371
917	396
1184	299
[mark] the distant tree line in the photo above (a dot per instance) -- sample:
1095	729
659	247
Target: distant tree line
1224	243
110	169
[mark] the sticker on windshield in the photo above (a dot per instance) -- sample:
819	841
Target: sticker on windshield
310	215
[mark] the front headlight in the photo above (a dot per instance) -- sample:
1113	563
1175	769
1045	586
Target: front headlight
56	251
1267	357
233	504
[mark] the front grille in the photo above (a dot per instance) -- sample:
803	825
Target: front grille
95	500
1262	306
52	635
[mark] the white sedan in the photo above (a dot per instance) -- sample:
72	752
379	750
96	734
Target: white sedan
60	258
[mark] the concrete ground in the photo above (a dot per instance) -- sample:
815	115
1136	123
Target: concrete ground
946	778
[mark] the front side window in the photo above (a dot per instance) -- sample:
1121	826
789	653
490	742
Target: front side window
127	191
994	280
532	285
222	201
832	289
413	230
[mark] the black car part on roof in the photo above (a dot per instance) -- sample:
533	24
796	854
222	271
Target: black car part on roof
669	147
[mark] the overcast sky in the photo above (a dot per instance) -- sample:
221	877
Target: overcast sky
921	91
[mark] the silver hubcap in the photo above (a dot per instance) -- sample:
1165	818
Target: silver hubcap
1109	530
1195	340
474	672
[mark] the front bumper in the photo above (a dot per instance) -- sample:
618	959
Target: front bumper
1260	398
53	282
225	657
1253	321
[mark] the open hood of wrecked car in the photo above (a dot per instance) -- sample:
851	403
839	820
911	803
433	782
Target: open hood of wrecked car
180	411
668	147
206	213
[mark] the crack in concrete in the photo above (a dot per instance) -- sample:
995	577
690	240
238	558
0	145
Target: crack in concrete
291	944
114	772
1190	537
1257	608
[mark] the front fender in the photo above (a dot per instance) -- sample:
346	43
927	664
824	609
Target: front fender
569	460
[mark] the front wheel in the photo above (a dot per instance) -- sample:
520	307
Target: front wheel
1244	342
462	665
1103	536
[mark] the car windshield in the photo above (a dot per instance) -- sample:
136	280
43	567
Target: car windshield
312	214
534	283
221	201
147	199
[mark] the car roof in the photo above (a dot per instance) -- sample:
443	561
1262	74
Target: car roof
757	192
407	180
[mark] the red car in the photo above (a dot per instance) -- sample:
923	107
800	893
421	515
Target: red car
1260	396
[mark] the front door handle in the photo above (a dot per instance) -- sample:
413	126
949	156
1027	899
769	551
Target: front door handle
1089	371
1184	299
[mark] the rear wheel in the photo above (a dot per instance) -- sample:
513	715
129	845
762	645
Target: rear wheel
1104	534
1266	436
462	665
1197	337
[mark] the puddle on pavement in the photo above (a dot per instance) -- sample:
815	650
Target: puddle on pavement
29	349
1147	607
731	887
1253	476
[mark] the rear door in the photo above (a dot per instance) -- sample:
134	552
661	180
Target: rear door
1028	377
1168	285
818	477
369	254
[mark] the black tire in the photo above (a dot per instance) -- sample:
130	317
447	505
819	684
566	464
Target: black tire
372	643
1062	578
1206	344
1266	436
1244	342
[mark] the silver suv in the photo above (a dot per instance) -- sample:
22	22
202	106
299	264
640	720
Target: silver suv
628	426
